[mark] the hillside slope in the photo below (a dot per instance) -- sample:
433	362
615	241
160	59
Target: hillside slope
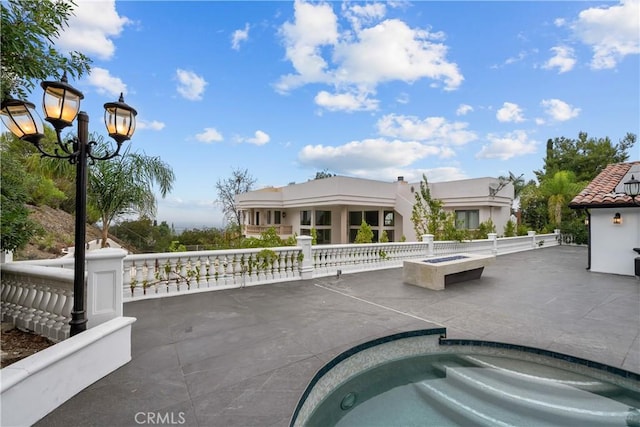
58	234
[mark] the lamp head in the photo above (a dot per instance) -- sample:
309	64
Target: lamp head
60	102
632	188
120	120
22	119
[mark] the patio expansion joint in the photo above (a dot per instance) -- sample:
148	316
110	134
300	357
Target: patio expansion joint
379	305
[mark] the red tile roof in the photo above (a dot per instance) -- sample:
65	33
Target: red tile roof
601	191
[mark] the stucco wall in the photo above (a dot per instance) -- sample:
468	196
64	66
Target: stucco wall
611	244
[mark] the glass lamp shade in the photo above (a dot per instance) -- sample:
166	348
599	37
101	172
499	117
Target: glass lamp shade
632	187
120	120
22	119
60	103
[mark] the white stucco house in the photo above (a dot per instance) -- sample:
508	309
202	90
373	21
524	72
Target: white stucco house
336	207
614	219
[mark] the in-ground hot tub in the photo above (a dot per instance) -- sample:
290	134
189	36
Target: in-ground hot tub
420	378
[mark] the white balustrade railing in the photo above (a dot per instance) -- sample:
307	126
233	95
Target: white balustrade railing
37	299
159	274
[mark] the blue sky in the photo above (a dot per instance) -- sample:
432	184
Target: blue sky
373	90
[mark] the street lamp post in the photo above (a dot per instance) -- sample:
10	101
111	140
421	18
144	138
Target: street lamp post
61	104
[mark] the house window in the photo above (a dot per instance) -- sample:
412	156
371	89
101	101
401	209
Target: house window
355	218
371	218
277	215
268	217
388	218
323	236
305	217
469	220
323	217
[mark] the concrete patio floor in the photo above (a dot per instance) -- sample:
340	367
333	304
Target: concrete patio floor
243	357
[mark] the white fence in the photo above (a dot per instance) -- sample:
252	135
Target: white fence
38	295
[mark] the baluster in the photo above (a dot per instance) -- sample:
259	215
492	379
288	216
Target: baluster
45	291
138	289
8	291
47	314
54	316
14	298
20	303
32	305
65	330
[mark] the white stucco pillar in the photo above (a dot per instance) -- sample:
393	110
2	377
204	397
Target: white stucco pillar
494	238
306	269
428	239
6	256
104	285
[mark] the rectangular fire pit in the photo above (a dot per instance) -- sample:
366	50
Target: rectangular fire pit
435	273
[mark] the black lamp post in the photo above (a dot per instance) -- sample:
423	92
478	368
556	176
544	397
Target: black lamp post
632	189
61	104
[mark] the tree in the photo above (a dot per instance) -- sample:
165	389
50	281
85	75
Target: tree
427	213
585	157
365	233
517	182
16	228
533	206
239	182
124	185
559	190
28	28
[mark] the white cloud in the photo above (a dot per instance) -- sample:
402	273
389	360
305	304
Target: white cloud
370	154
559	110
393	51
209	135
92	26
564	59
260	138
510	112
314	26
433	130
362	14
105	83
190	85
152	125
559	22
506	146
239	36
346	101
463	109
357	60
612	32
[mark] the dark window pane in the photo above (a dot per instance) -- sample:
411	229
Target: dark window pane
355	218
371	218
323	217
305	217
277	215
323	236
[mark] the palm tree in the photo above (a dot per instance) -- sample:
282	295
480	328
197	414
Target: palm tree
124	185
559	190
